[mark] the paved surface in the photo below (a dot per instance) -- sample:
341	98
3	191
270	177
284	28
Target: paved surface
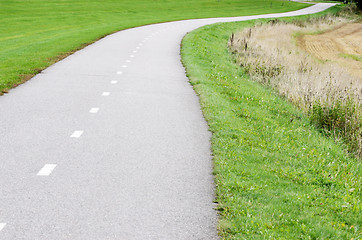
110	143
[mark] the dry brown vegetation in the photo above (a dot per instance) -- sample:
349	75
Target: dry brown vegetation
342	44
321	75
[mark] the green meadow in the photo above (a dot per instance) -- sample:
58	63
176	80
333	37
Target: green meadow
36	33
277	177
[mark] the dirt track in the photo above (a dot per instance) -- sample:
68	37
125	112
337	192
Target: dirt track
342	45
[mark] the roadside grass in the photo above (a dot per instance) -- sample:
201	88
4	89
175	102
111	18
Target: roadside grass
276	176
353	57
36	33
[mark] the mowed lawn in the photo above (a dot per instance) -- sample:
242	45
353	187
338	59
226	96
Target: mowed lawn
277	177
35	33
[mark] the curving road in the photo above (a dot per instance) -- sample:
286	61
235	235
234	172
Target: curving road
110	143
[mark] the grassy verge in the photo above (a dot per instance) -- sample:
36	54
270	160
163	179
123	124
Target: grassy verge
276	176
36	33
326	91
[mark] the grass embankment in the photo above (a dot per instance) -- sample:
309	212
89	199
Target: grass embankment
276	176
312	75
36	33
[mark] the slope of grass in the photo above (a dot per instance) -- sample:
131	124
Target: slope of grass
35	33
325	90
276	176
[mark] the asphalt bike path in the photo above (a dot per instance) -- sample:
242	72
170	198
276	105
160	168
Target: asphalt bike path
110	143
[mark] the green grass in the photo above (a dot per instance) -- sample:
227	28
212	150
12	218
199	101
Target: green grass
353	57
276	176
36	33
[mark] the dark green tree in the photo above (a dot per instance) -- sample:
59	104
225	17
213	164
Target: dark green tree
359	4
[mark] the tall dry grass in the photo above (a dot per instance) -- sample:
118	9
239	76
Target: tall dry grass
331	96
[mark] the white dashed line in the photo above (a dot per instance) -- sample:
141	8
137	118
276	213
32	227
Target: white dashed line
138	47
128	61
132	56
76	134
134	51
114	82
119	73
106	94
2	225
94	110
140	44
46	170
124	66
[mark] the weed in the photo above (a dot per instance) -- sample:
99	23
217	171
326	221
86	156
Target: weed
326	91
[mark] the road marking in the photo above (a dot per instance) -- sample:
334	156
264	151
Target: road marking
94	110
132	56
124	66
128	61
46	170
77	134
106	94
119	73
114	82
138	47
140	44
134	51
2	225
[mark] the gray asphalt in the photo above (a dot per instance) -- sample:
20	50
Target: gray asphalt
142	169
